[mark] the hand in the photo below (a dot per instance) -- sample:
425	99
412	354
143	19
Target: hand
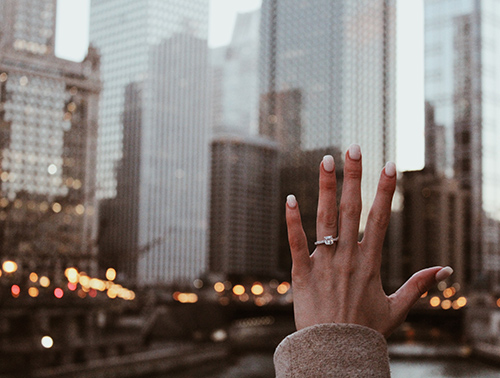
341	283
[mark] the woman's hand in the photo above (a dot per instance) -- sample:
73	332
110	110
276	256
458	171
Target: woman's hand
340	283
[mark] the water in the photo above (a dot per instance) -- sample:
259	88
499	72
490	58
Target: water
442	368
257	365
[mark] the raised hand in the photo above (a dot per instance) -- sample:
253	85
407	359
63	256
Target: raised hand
340	281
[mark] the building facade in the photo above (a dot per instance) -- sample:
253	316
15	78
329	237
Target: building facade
162	48
124	32
435	223
48	129
240	83
244	207
155	228
341	57
462	81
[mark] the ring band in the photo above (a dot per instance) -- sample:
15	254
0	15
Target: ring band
327	240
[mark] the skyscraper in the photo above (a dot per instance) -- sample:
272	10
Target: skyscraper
341	57
156	74
240	81
124	32
244	206
48	135
462	85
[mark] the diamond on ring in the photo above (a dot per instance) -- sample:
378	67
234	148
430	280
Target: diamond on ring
327	240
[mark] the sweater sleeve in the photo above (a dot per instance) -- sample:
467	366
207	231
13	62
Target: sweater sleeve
332	350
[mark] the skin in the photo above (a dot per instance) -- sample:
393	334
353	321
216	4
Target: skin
341	283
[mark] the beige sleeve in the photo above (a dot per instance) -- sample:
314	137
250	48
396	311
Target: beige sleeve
333	350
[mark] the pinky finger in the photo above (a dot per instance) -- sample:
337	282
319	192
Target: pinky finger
296	238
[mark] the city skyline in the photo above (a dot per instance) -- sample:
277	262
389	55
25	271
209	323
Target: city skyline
340	59
462	92
409	71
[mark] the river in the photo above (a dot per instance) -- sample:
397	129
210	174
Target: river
261	366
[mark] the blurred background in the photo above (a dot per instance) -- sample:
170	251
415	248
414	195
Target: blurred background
147	148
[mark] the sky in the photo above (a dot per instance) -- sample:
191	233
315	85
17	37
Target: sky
72	42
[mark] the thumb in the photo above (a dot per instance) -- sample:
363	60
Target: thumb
422	281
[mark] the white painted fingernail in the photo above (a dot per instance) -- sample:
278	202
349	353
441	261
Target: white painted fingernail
328	163
444	273
355	152
390	169
291	201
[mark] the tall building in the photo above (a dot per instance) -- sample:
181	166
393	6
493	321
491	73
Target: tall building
48	137
236	78
241	77
435	224
162	197
462	84
341	57
124	31
244	207
162	47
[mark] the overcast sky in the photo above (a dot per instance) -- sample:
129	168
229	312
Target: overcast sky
72	42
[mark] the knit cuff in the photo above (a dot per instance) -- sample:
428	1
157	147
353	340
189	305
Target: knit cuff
333	350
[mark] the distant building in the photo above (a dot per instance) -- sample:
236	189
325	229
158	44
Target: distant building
119	217
462	85
157	56
236	79
435	223
48	137
340	57
124	31
283	124
244	208
162	199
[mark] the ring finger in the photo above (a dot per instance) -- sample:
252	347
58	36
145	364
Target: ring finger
326	221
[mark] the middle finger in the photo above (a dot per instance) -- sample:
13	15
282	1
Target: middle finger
350	203
326	220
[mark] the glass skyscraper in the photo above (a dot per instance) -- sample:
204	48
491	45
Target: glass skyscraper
239	77
156	52
462	88
338	57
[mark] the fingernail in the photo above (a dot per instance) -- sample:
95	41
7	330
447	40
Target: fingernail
390	169
355	152
291	201
444	273
328	163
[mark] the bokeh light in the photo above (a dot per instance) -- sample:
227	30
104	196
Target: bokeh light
110	274
47	342
9	266
238	289
58	292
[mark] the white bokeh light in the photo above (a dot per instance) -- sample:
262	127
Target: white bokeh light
47	342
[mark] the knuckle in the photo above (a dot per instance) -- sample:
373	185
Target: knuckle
387	187
327	219
327	183
351	209
296	244
353	173
418	285
381	220
299	279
